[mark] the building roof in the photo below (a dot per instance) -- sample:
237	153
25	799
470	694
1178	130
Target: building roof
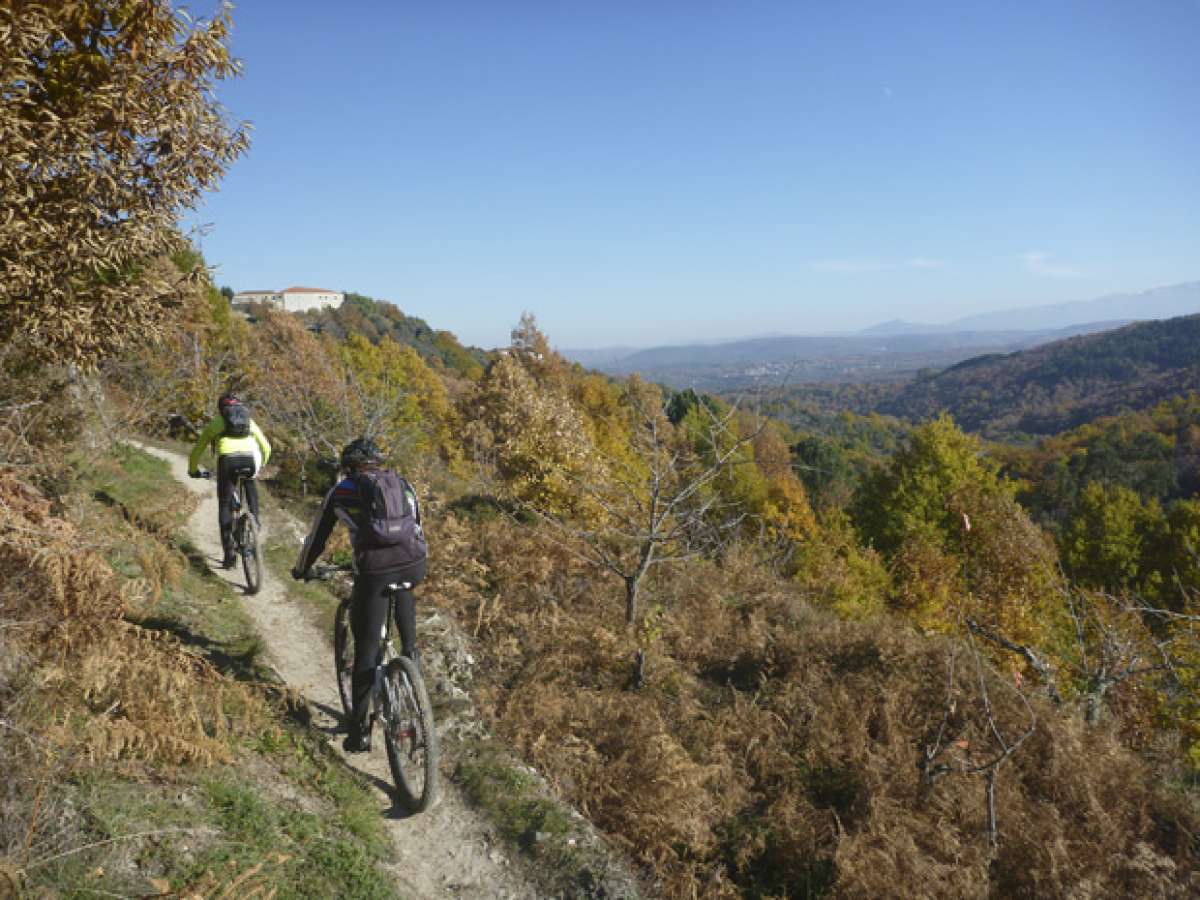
304	290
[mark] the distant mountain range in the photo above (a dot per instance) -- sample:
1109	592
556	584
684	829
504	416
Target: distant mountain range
1157	303
889	350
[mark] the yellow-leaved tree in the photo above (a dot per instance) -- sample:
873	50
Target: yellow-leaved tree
397	399
535	437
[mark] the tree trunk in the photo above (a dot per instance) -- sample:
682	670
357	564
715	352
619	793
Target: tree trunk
633	583
631	597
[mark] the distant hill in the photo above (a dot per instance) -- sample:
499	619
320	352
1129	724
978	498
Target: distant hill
377	319
1063	384
888	350
599	357
900	328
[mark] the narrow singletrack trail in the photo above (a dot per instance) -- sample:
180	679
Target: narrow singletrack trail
447	851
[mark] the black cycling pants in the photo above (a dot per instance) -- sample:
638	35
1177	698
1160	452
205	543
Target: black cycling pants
368	612
227	467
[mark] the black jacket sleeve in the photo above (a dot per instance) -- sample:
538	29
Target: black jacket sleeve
318	535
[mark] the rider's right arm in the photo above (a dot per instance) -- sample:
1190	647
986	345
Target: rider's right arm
318	535
210	433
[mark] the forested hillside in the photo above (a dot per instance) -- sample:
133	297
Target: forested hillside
1061	385
377	319
1154	452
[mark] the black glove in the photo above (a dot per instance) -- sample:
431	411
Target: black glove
298	573
195	473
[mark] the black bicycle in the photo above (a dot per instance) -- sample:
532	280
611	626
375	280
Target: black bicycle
245	532
399	701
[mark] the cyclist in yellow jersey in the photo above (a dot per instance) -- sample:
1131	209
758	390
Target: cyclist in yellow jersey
241	448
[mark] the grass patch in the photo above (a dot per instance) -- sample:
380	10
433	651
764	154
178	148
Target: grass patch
203	613
514	801
307	854
203	831
141	485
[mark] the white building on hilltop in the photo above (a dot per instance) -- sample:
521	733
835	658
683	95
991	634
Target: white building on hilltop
293	299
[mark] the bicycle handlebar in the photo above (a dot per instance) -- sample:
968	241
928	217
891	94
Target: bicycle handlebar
321	572
325	572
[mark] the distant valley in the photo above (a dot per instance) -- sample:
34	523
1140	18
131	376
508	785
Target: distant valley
887	352
845	359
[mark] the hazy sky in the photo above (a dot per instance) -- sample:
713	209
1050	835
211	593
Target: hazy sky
662	171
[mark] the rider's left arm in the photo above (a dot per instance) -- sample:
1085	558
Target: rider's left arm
263	444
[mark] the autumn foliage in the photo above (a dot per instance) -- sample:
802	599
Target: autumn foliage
109	127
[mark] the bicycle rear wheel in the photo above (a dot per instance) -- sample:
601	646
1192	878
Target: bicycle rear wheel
343	656
251	552
409	735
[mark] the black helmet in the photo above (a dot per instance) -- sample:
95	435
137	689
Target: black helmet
359	452
226	401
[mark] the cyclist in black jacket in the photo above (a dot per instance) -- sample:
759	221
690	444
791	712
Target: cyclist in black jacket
349	501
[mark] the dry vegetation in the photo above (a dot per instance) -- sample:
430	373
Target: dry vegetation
132	763
83	688
776	750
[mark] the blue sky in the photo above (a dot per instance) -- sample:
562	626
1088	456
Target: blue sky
649	172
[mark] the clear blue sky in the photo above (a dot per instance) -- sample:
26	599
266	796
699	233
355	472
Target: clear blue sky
650	172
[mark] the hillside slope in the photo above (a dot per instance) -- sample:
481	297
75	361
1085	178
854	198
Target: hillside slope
145	748
1057	386
379	319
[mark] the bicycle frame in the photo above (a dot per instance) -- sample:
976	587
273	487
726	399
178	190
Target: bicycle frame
387	650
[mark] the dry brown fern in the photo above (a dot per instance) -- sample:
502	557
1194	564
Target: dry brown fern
122	692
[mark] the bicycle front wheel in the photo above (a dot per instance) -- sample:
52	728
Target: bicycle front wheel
409	735
343	656
251	553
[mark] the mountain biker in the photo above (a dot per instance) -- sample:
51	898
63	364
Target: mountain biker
360	501
241	448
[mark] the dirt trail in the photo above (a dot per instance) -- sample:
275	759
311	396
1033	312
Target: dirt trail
447	851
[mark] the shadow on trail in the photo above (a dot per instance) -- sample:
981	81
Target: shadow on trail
202	564
242	660
357	761
210	566
336	714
